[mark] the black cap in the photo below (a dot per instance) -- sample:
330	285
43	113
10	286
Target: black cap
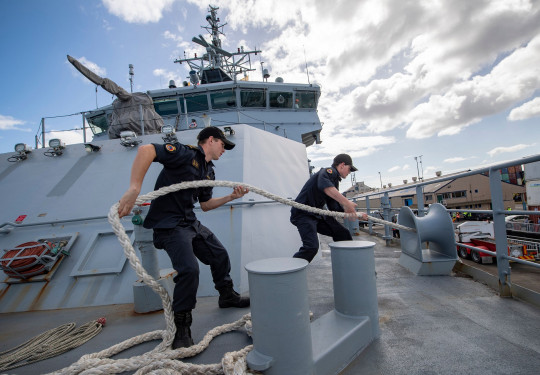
344	158
212	131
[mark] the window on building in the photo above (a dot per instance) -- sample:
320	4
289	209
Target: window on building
253	98
166	107
223	99
428	197
281	99
305	99
459	194
196	103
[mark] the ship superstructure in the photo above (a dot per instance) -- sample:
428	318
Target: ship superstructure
220	93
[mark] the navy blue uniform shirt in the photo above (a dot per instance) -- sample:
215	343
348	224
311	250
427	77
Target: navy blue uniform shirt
312	194
180	163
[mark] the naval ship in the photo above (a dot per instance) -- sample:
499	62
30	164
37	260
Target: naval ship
62	263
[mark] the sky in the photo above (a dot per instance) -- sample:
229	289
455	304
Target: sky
452	83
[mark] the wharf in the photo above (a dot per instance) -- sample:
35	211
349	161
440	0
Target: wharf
429	325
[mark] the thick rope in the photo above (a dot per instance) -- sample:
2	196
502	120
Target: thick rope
49	344
207	183
162	359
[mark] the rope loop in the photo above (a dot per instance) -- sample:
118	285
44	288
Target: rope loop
162	359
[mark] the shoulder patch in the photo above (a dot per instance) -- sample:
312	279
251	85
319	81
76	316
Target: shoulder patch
329	170
195	163
170	147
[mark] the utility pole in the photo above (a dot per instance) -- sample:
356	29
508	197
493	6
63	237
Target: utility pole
380	178
131	74
421	167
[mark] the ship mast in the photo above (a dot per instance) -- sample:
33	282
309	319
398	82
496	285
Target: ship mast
217	64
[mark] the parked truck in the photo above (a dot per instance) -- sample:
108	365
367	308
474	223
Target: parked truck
480	234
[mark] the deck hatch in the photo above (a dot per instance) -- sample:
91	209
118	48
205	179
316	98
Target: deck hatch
103	255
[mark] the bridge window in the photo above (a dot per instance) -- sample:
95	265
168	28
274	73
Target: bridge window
281	99
253	98
167	107
196	103
223	99
305	99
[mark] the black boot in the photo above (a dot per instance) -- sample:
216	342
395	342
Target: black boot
182	338
228	297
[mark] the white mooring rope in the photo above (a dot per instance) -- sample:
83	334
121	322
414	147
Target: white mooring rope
162	359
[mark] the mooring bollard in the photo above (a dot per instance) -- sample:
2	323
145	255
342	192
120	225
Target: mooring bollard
280	316
353	274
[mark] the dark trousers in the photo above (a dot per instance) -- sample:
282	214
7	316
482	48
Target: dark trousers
185	244
308	227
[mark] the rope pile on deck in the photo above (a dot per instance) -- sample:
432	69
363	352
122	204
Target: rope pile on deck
162	359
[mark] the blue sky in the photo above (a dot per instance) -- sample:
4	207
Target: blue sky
456	81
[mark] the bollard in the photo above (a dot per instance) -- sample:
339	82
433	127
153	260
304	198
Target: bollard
280	316
353	274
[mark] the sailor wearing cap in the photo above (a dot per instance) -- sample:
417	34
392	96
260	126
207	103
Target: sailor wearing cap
176	228
322	188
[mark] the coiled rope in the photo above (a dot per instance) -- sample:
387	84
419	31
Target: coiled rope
49	344
162	359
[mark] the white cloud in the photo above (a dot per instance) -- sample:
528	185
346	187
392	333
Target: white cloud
10	123
437	68
526	110
102	72
138	11
168	75
354	145
454	160
501	150
396	168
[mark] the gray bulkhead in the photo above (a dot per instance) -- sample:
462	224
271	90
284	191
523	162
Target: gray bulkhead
70	196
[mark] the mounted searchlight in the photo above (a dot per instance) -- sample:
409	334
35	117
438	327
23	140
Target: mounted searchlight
168	134
22	150
56	147
128	139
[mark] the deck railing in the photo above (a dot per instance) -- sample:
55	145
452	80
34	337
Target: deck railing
498	212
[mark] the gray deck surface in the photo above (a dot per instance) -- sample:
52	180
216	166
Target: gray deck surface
429	325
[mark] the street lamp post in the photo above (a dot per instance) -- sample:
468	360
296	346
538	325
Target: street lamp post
380	178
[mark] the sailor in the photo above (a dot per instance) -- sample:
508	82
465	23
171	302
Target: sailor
176	228
322	188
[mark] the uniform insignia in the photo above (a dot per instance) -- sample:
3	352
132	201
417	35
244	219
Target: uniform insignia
192	147
329	170
170	148
195	163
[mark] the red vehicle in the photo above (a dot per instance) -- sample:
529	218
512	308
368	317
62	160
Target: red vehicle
480	235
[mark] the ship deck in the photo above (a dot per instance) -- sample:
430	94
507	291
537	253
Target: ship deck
429	325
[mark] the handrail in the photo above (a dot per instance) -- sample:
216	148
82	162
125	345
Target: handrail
498	212
525	160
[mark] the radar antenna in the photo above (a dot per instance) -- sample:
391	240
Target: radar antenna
217	64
